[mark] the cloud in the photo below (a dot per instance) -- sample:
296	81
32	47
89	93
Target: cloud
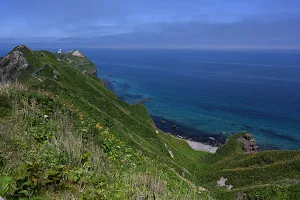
246	33
153	24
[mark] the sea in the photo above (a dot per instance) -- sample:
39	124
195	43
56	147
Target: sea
210	94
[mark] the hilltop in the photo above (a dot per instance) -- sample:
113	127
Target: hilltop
64	135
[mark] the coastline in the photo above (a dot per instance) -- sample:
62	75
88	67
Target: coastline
188	133
207	143
197	140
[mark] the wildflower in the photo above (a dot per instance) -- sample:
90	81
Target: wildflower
3	150
46	116
98	126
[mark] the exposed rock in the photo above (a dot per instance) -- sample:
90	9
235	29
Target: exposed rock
162	121
78	54
12	65
105	82
222	183
93	71
55	74
144	100
241	196
174	126
248	143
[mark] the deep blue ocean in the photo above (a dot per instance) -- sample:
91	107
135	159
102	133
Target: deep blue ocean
212	91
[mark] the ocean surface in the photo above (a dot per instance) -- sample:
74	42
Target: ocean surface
210	91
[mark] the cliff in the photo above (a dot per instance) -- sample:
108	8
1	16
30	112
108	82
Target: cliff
64	134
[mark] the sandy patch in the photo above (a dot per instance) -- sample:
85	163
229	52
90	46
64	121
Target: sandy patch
201	147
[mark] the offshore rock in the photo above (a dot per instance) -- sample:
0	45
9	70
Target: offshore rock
248	143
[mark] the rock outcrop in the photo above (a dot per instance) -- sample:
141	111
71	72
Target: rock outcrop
12	65
78	54
105	82
248	143
93	71
144	100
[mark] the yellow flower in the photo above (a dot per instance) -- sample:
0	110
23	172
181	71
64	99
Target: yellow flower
98	126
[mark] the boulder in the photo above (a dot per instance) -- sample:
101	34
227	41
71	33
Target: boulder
55	74
248	143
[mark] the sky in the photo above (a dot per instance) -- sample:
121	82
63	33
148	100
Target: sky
194	24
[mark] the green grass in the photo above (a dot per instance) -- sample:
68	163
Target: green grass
51	149
149	168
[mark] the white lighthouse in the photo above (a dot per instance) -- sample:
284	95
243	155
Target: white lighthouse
59	51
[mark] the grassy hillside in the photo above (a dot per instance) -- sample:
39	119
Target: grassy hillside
80	62
69	136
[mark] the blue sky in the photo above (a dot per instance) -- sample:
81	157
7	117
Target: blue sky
271	24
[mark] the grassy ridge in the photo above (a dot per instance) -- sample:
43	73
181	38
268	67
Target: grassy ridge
50	149
253	176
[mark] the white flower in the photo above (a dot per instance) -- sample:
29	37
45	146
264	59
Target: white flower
46	116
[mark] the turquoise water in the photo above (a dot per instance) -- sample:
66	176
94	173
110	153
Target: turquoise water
209	92
213	91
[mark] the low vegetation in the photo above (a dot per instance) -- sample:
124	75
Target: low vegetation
69	137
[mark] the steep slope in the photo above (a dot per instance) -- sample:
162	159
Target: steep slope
12	64
55	85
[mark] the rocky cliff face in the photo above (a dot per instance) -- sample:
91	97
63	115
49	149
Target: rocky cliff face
78	54
12	65
248	143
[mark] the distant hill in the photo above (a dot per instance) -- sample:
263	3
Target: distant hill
64	135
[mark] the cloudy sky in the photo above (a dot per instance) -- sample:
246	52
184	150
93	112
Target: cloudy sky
271	24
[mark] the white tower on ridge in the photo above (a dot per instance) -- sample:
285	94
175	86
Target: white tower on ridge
59	51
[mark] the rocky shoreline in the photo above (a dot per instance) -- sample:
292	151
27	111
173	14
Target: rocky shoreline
187	133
